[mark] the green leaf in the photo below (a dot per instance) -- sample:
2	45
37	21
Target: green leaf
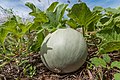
33	7
104	20
109	34
3	35
35	26
55	17
115	64
37	13
72	23
11	24
112	21
110	46
99	25
112	10
40	17
110	39
98	62
39	40
98	9
109	23
16	26
24	28
117	21
106	58
82	15
91	27
53	22
117	76
60	11
52	6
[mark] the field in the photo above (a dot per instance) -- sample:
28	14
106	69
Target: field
21	42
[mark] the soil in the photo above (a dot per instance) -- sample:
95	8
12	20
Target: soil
12	72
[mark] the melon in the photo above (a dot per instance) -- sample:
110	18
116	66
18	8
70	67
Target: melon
64	50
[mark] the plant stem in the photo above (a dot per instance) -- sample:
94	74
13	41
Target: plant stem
83	30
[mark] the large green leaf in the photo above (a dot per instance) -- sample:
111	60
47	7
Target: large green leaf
55	16
16	26
98	62
82	15
110	39
109	34
60	9
37	13
110	21
51	18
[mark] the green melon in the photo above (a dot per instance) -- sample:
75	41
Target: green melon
64	51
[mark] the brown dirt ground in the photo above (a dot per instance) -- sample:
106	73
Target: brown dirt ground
12	72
